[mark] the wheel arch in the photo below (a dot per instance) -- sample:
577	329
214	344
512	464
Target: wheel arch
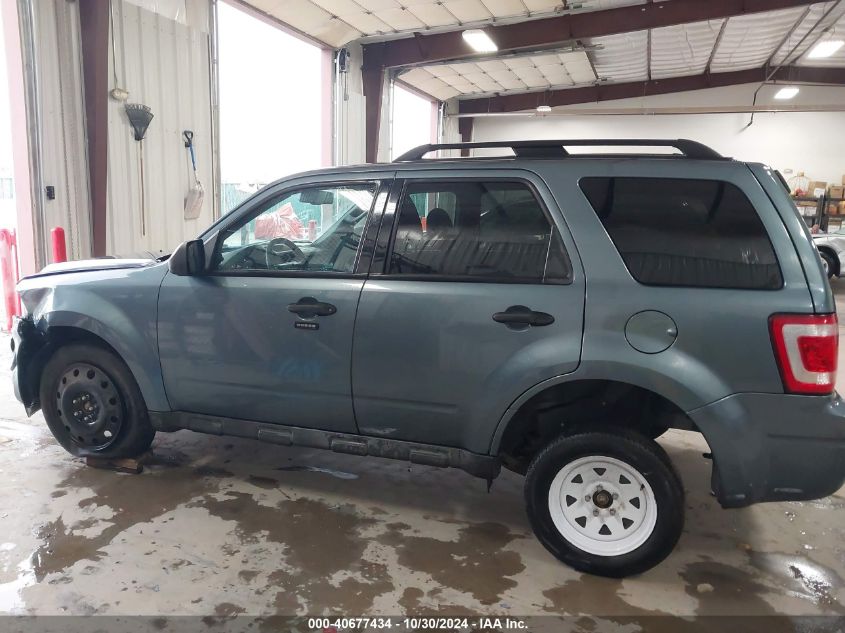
59	329
577	403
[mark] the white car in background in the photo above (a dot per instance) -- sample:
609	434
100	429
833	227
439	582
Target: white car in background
831	247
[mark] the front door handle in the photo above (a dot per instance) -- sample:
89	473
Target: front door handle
520	317
308	307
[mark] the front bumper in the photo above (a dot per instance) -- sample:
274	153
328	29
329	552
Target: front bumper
774	447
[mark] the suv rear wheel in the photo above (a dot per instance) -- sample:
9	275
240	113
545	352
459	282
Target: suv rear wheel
92	404
605	502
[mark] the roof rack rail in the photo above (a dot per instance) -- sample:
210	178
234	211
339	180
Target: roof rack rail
557	148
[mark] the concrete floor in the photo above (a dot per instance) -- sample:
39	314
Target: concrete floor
218	526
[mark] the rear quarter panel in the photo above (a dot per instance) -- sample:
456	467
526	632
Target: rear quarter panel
802	241
723	343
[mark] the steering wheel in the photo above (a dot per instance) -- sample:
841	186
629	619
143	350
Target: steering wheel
282	246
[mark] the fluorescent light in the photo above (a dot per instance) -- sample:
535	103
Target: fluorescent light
544	108
480	41
825	49
786	93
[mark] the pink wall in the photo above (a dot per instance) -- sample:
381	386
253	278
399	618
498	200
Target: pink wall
20	142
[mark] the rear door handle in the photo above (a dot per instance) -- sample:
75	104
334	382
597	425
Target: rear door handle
308	307
516	316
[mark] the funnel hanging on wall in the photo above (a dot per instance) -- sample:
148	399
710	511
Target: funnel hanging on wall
139	117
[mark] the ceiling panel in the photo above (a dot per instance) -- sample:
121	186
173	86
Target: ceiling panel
621	57
367	23
549	70
749	40
433	15
682	50
401	19
506	7
468	10
311	19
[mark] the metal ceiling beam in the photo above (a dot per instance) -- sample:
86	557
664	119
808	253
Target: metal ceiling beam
610	92
717	42
550	32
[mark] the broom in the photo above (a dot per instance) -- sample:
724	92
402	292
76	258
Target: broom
193	201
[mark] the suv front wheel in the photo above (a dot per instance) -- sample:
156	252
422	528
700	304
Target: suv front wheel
93	405
605	502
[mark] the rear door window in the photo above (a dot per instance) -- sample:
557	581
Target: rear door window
476	231
685	232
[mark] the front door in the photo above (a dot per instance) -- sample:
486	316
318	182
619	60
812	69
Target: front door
266	334
477	295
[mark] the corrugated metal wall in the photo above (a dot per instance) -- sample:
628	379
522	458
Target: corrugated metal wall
165	65
62	115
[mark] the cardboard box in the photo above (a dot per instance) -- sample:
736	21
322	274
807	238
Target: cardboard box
841	208
817	188
836	191
832	209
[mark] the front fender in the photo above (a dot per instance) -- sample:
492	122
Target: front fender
118	307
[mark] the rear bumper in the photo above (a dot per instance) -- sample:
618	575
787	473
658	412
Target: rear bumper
774	447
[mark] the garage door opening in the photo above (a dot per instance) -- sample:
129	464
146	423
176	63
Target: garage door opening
272	89
414	121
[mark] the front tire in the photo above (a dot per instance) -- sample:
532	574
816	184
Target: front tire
93	405
605	502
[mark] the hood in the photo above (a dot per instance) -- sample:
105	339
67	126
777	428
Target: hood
87	265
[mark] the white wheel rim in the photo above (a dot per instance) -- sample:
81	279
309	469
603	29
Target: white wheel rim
602	505
826	266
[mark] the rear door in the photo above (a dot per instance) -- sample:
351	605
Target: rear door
476	294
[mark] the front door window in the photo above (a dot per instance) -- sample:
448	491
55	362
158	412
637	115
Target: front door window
317	229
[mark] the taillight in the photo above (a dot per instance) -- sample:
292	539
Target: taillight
806	346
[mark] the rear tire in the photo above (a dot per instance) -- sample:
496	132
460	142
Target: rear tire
93	405
605	502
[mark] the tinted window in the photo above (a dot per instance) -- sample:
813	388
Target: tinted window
492	230
678	232
316	229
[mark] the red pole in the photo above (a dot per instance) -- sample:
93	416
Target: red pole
59	248
17	269
7	276
312	230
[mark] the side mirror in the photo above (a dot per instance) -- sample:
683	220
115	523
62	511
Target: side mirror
188	258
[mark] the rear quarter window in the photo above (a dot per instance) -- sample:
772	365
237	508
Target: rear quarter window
685	232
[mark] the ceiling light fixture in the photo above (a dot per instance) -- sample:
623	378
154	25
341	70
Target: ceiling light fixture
825	49
544	108
786	93
479	41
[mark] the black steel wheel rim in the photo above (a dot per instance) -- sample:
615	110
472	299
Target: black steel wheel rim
89	406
